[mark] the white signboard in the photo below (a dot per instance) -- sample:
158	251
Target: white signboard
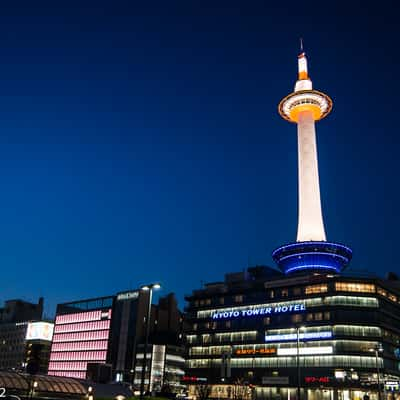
128	295
40	331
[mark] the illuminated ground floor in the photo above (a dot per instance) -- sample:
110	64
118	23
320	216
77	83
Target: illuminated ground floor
283	393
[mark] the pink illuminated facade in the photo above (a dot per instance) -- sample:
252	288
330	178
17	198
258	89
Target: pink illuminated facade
97	339
79	338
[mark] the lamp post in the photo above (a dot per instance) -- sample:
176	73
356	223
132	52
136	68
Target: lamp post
378	349
298	360
148	288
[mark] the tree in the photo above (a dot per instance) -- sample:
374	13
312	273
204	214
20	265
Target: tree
240	390
203	391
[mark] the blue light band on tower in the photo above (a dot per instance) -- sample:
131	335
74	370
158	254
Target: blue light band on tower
311	251
303	256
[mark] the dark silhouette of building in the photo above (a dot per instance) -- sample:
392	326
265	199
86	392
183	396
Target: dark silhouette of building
21	311
25	340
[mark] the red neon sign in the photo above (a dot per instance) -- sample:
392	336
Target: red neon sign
316	379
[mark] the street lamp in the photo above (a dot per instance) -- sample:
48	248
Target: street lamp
148	288
298	360
377	349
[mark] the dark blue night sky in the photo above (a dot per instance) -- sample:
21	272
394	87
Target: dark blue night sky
140	141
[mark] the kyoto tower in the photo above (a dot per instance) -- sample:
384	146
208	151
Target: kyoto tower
311	251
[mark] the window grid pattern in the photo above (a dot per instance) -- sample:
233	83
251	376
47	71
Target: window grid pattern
351	301
83	326
336	361
74	346
82	317
312	289
235	336
356	330
68	366
69	374
79	338
355	287
79	356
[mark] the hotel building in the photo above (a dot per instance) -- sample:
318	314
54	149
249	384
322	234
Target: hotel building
307	331
323	332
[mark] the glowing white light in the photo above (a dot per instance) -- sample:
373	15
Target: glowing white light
40	331
304	84
302	64
302	336
305	98
305	351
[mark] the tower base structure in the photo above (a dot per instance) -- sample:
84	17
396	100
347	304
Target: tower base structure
313	255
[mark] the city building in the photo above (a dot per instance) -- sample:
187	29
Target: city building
165	360
98	338
166	366
25	338
308	330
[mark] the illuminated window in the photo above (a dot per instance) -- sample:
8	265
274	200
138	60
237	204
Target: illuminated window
318	316
297	318
316	289
267	320
221	300
284	292
228	324
239	298
195	327
271	294
327	315
310	317
355	287
384	293
206	338
381	292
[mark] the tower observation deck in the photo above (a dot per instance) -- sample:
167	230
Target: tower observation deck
304	107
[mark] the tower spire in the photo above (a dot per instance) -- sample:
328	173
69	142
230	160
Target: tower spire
303	80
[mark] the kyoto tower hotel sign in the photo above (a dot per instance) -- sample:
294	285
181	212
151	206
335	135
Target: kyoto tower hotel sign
311	251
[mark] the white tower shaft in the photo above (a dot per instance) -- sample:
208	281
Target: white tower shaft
311	225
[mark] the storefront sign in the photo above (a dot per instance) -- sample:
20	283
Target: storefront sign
193	379
275	380
292	351
316	379
251	312
243	352
302	336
